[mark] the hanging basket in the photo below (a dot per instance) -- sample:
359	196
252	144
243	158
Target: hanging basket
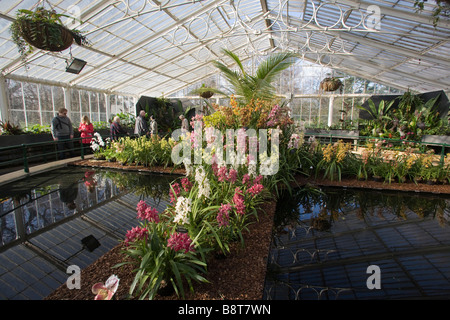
206	94
46	36
330	84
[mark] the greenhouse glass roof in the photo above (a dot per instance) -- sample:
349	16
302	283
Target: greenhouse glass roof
149	47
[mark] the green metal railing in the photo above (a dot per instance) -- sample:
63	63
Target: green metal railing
24	154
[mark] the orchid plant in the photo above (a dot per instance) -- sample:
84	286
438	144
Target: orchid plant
98	145
105	291
162	255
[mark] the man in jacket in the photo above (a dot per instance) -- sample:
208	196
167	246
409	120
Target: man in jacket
141	127
62	132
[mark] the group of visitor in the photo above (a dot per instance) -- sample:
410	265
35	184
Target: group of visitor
62	130
141	128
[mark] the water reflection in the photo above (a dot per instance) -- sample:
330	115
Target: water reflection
321	208
37	202
324	239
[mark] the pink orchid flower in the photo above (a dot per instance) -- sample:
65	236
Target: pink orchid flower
107	290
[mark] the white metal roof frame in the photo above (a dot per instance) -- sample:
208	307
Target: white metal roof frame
150	47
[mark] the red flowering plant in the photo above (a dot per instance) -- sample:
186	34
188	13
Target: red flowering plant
163	256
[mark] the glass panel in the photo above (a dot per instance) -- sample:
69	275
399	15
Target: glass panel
45	96
18	118
102	106
58	99
84	104
113	104
14	89
324	105
31	96
33	117
47	118
75	114
94	116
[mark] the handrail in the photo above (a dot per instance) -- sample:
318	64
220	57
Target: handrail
26	157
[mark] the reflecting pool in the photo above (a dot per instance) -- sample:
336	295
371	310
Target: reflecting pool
37	202
335	243
65	218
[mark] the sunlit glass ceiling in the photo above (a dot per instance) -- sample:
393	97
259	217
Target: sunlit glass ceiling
146	47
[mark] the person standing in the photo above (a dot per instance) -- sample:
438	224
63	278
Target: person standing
153	126
62	132
184	124
86	130
141	127
116	130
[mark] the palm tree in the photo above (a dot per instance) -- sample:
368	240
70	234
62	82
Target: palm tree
253	87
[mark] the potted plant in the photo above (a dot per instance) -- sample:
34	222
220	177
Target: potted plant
44	30
7	128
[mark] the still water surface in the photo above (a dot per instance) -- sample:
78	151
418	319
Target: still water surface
328	242
37	202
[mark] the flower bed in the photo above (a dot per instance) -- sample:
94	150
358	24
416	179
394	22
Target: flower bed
228	278
216	204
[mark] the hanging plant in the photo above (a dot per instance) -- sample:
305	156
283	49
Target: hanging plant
441	9
43	29
204	92
330	84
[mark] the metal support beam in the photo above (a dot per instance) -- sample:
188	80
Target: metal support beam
268	23
4	101
401	14
144	42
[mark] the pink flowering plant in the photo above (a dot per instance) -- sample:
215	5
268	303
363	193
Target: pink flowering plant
215	203
162	255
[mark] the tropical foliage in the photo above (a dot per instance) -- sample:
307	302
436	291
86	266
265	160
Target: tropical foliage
252	87
412	119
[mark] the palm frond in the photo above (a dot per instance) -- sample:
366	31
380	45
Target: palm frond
232	76
270	68
260	85
235	58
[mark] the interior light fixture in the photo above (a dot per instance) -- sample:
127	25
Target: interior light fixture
90	243
75	65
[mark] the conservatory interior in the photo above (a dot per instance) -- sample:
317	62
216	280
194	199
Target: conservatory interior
340	192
